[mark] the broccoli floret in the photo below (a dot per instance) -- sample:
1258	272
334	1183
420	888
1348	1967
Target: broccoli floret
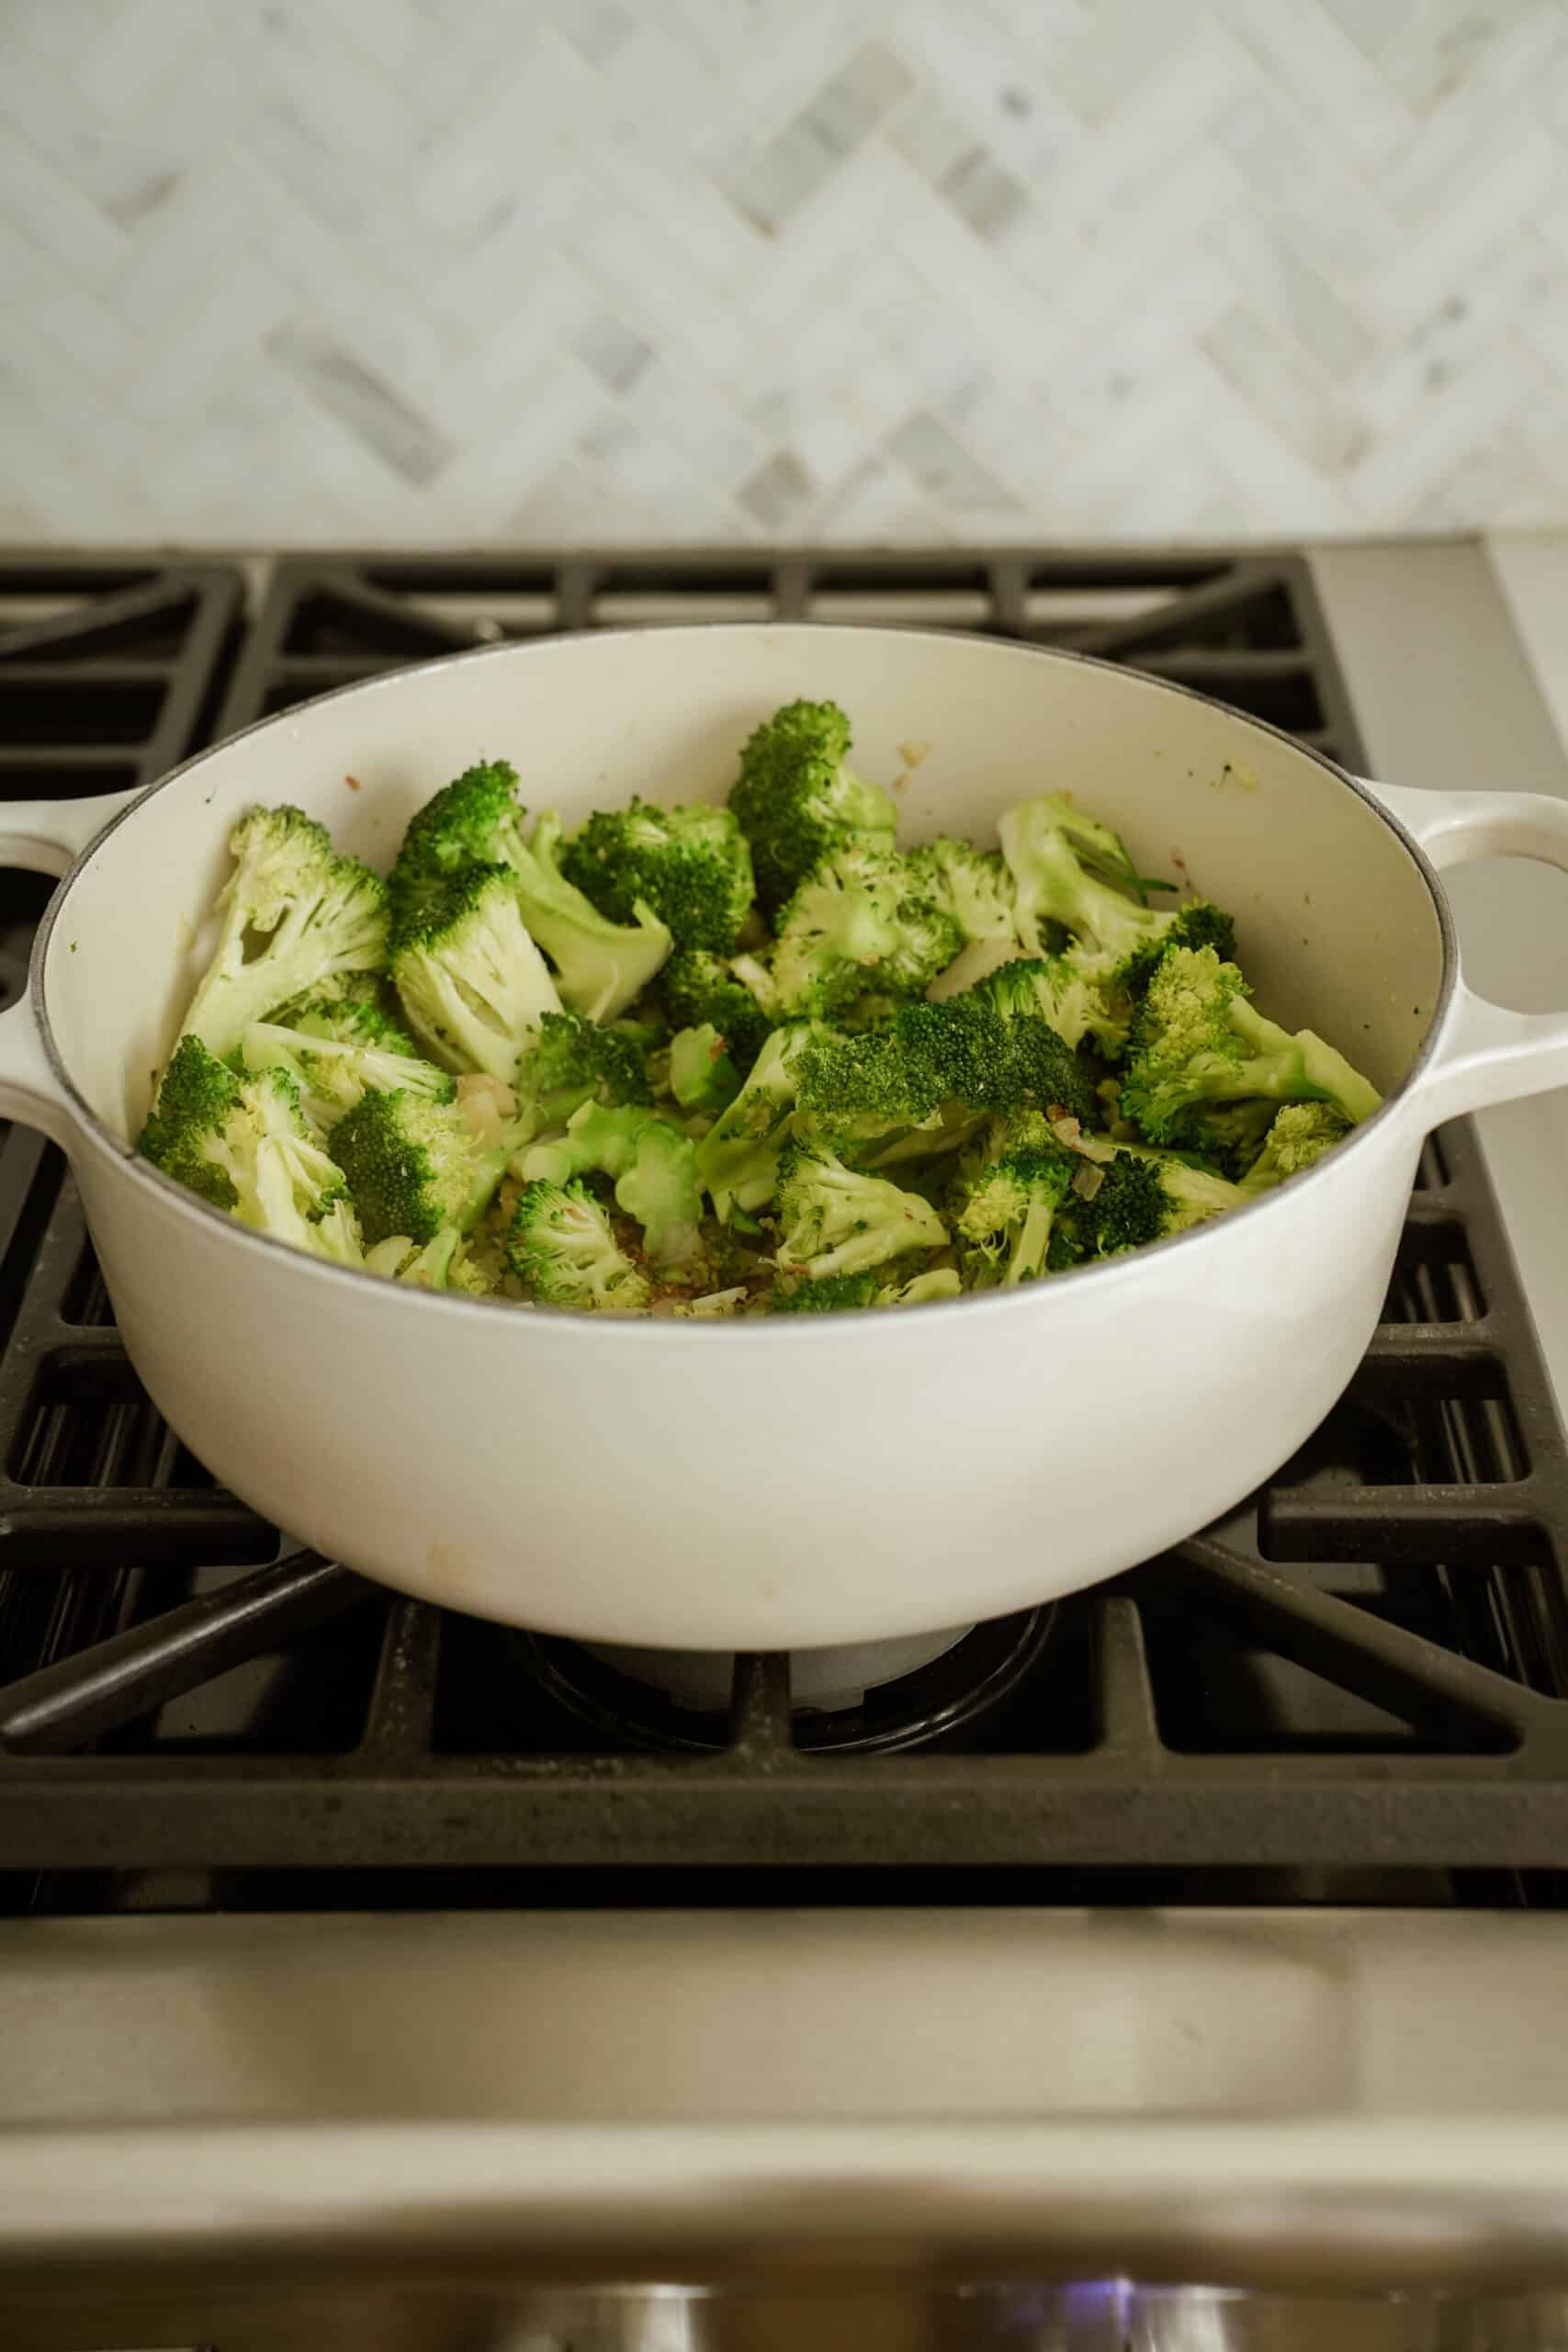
701	1074
1197	1039
1145	1196
837	1294
972	886
1007	1209
942	1282
413	1166
737	1159
335	1234
927	942
661	1190
443	1263
244	1145
1300	1135
654	1167
1079	996
1007	1060
856	919
475	821
575	1060
894	1077
1101	851
798	801
472	981
562	1248
1229	1134
835	1220
834	1294
699	989
692	865
601	965
961	1051
296	916
333	1072
1056	861
357	1008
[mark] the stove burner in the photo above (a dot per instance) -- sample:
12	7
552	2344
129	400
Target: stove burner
936	1703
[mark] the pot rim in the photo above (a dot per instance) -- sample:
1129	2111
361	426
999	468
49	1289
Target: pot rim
608	1328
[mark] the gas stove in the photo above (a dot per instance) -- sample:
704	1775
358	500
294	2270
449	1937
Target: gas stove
222	1757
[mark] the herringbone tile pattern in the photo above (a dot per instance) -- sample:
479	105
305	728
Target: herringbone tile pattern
429	270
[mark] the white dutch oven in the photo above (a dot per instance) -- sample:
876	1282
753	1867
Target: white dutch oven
794	1482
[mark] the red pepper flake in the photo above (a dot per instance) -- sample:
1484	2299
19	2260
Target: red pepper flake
354	784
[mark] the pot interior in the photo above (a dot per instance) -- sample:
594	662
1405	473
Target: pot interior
1336	925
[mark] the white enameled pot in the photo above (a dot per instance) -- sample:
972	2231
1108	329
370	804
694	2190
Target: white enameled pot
787	1483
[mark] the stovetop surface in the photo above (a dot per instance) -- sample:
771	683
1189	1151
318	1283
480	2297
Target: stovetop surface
1355	1690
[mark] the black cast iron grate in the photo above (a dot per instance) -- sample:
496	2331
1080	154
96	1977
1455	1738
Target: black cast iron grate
1366	1669
109	669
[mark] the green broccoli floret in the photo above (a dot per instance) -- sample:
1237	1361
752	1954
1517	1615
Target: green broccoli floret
562	1248
737	1159
244	1145
1300	1135
701	1074
962	1052
972	886
1229	1134
333	1072
942	1282
472	981
798	801
443	1263
1197	1039
475	821
575	1060
335	1234
1079	996
837	1294
699	989
1145	1196
296	916
601	965
1052	855
834	1294
691	865
1007	1060
835	1220
1007	1207
413	1166
654	1167
1101	851
857	920
357	1008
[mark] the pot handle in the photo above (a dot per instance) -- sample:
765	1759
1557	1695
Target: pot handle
47	837
1486	1054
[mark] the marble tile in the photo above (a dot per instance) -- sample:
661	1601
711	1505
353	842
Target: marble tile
734	270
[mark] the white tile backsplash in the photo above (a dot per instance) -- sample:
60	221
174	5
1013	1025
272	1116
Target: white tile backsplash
896	270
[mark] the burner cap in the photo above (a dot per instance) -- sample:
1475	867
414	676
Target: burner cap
925	1698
